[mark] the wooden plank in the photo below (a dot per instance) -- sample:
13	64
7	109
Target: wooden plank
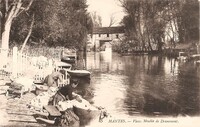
22	118
25	124
17	109
20	113
41	113
53	111
18	106
20	109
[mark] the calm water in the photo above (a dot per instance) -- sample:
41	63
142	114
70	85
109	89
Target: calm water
144	85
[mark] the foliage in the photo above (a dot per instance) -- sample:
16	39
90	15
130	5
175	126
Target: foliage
189	21
10	10
20	28
149	24
57	23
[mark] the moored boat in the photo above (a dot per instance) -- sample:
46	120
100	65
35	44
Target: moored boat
182	56
79	73
198	62
68	56
69	59
63	65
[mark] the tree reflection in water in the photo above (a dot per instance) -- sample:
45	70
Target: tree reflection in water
147	85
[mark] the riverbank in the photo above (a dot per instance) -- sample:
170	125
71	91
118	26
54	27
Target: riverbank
13	111
188	48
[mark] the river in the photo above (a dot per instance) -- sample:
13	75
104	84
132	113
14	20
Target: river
144	85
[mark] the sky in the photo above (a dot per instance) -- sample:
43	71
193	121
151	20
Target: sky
106	8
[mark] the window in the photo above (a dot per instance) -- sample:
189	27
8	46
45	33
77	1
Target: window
99	35
107	35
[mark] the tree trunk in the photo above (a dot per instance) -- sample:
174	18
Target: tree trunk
8	22
6	26
160	44
6	35
5	42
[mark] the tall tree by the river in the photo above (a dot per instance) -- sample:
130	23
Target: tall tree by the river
189	21
56	23
61	23
149	24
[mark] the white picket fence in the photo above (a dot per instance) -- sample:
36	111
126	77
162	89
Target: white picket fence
20	64
17	64
14	64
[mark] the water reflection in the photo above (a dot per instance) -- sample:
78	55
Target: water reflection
144	85
189	89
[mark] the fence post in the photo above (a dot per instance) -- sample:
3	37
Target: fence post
14	68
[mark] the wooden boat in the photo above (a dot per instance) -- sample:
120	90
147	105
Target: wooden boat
79	73
195	57
182	56
68	56
198	62
69	59
61	64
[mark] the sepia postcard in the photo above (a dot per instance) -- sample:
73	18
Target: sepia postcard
99	63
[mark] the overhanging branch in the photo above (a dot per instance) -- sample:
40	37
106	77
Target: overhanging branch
25	8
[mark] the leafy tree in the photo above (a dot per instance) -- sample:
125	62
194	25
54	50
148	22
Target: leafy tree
189	21
149	22
56	23
10	9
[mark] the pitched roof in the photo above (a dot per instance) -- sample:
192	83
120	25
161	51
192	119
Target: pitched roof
108	30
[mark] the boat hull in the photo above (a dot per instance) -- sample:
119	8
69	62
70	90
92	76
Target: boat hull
69	59
79	73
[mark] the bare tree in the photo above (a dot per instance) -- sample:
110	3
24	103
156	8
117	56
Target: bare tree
96	19
112	20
